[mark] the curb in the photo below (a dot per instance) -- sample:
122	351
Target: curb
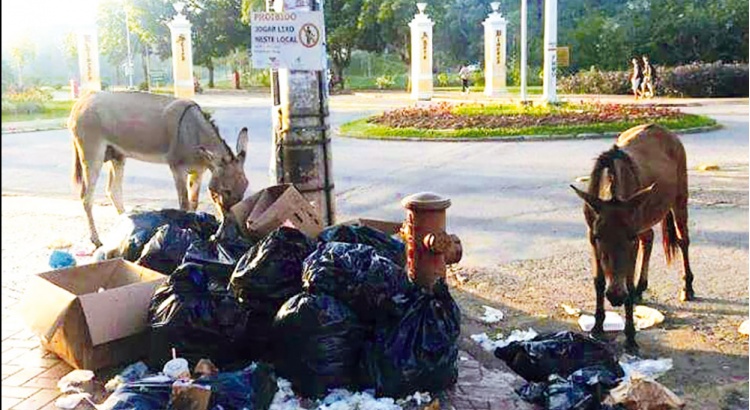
523	138
24	130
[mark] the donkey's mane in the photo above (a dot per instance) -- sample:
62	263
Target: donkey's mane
606	160
207	116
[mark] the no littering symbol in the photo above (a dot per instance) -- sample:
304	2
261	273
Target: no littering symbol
309	35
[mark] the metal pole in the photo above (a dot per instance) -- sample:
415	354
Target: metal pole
550	51
130	57
524	48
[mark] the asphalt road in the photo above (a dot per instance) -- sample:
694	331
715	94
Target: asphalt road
511	201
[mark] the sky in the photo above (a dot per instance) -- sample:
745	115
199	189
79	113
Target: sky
37	19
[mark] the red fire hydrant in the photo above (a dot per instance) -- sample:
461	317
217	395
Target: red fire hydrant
73	89
428	247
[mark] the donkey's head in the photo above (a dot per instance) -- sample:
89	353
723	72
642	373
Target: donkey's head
614	236
228	181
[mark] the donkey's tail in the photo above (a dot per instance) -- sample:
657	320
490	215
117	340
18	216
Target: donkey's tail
669	237
77	175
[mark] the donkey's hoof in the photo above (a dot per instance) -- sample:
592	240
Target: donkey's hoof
687	295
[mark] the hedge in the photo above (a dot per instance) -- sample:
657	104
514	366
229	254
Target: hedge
716	79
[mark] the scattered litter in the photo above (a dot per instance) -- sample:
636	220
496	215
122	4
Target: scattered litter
73	401
570	310
133	372
461	278
177	369
646	317
643	393
744	328
492	315
77	381
86	250
61	259
652	368
60	243
205	367
613	322
584	178
515	336
708	167
187	395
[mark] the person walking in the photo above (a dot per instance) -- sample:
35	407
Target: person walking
464	74
647	86
636	77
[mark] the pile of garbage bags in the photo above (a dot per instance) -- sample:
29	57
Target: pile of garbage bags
336	311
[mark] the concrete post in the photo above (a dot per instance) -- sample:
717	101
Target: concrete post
495	35
550	51
182	56
301	152
421	55
88	58
524	49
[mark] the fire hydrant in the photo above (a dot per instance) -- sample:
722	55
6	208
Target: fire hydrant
73	89
428	247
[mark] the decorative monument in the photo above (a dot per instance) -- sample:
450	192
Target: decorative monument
421	54
495	39
88	58
182	54
550	52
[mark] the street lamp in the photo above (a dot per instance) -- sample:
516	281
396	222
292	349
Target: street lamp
129	68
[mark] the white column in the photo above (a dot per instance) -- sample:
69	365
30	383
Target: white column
421	55
550	51
182	56
524	48
495	40
88	58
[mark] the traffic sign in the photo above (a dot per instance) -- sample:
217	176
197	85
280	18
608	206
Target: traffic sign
291	40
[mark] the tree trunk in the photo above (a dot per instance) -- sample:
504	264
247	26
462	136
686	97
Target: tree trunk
237	84
210	67
144	65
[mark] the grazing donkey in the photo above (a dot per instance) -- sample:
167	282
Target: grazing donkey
112	126
638	183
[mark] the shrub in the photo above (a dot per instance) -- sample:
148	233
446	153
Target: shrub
143	86
477	78
29	101
443	80
716	79
385	82
256	78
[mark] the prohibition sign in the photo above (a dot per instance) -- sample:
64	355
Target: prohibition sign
309	35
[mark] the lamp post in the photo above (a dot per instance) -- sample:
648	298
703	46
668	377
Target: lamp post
129	68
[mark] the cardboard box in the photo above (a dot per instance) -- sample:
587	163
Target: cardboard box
387	227
259	214
92	316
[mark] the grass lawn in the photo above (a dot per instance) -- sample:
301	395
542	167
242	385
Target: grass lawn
52	109
520	121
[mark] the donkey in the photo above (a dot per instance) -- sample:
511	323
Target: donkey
639	182
111	126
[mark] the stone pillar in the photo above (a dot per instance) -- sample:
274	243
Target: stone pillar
495	38
301	152
550	52
421	55
182	56
88	58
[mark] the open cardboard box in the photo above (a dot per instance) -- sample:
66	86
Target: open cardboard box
92	316
387	227
259	214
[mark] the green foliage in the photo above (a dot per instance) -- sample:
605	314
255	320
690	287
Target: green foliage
27	101
256	78
443	80
594	81
385	82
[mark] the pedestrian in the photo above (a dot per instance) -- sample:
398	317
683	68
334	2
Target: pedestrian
464	73
649	74
636	77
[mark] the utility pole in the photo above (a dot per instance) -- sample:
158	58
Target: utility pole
550	51
301	127
524	48
130	55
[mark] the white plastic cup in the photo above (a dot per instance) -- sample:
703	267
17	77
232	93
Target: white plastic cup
177	369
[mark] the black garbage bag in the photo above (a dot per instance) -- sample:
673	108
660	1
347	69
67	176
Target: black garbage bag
230	238
193	312
150	393
165	250
138	228
387	246
559	353
251	388
213	257
419	353
271	271
370	284
584	389
319	344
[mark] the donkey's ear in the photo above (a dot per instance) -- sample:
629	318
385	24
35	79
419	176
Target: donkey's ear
242	145
592	201
637	198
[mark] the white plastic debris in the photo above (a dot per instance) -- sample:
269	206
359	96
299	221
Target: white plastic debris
76	381
492	315
645	317
570	310
515	336
652	368
284	399
613	322
744	328
71	401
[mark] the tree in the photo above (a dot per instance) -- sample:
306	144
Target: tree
22	52
342	33
68	46
7	75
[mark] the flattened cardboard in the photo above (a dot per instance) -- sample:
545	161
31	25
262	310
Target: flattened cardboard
87	327
273	207
387	227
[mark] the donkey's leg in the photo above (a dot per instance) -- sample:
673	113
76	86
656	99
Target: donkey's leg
647	243
600	285
114	183
92	159
683	241
194	187
180	182
630	345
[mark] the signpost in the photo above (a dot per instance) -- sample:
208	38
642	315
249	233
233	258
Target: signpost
563	56
292	40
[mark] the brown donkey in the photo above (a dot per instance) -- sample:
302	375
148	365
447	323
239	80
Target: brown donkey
112	126
638	183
